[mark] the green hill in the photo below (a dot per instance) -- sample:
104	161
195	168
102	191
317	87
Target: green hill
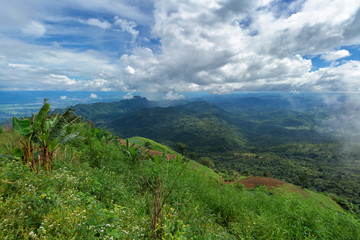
99	189
201	126
101	112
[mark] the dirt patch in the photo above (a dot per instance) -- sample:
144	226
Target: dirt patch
160	154
152	152
269	183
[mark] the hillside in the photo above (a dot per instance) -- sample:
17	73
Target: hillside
101	112
259	136
96	190
202	126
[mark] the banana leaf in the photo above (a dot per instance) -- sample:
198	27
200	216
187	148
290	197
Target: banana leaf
22	126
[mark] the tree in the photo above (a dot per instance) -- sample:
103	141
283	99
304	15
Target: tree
192	155
182	147
304	179
207	162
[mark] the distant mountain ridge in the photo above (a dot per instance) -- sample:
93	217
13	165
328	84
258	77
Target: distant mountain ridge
100	112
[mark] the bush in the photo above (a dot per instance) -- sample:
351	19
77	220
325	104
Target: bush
207	162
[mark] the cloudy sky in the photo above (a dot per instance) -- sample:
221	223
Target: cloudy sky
176	46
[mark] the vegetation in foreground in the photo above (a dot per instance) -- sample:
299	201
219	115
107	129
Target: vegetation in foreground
98	188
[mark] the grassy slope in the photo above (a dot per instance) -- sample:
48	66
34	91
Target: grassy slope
322	199
200	169
95	192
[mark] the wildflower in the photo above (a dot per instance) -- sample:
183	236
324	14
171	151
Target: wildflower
32	234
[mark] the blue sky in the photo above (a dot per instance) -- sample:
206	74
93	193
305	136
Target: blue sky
172	47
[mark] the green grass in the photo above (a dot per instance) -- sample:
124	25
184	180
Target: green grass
8	141
200	169
140	141
324	200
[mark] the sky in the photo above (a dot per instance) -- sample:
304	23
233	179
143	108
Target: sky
177	46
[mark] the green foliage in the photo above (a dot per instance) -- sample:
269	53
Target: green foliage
207	162
134	153
304	179
182	147
47	132
141	141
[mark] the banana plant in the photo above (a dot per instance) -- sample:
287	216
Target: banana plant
28	130
54	131
47	132
133	152
25	128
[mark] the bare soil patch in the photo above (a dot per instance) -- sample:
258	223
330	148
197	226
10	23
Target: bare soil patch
269	183
252	182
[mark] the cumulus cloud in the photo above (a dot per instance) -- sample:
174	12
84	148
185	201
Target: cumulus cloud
344	77
63	97
93	96
172	95
225	46
129	95
97	23
335	55
130	70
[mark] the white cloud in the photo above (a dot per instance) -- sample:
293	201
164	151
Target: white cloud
96	22
129	95
344	77
93	96
205	46
127	26
60	79
130	70
27	66
63	97
34	28
335	55
172	95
